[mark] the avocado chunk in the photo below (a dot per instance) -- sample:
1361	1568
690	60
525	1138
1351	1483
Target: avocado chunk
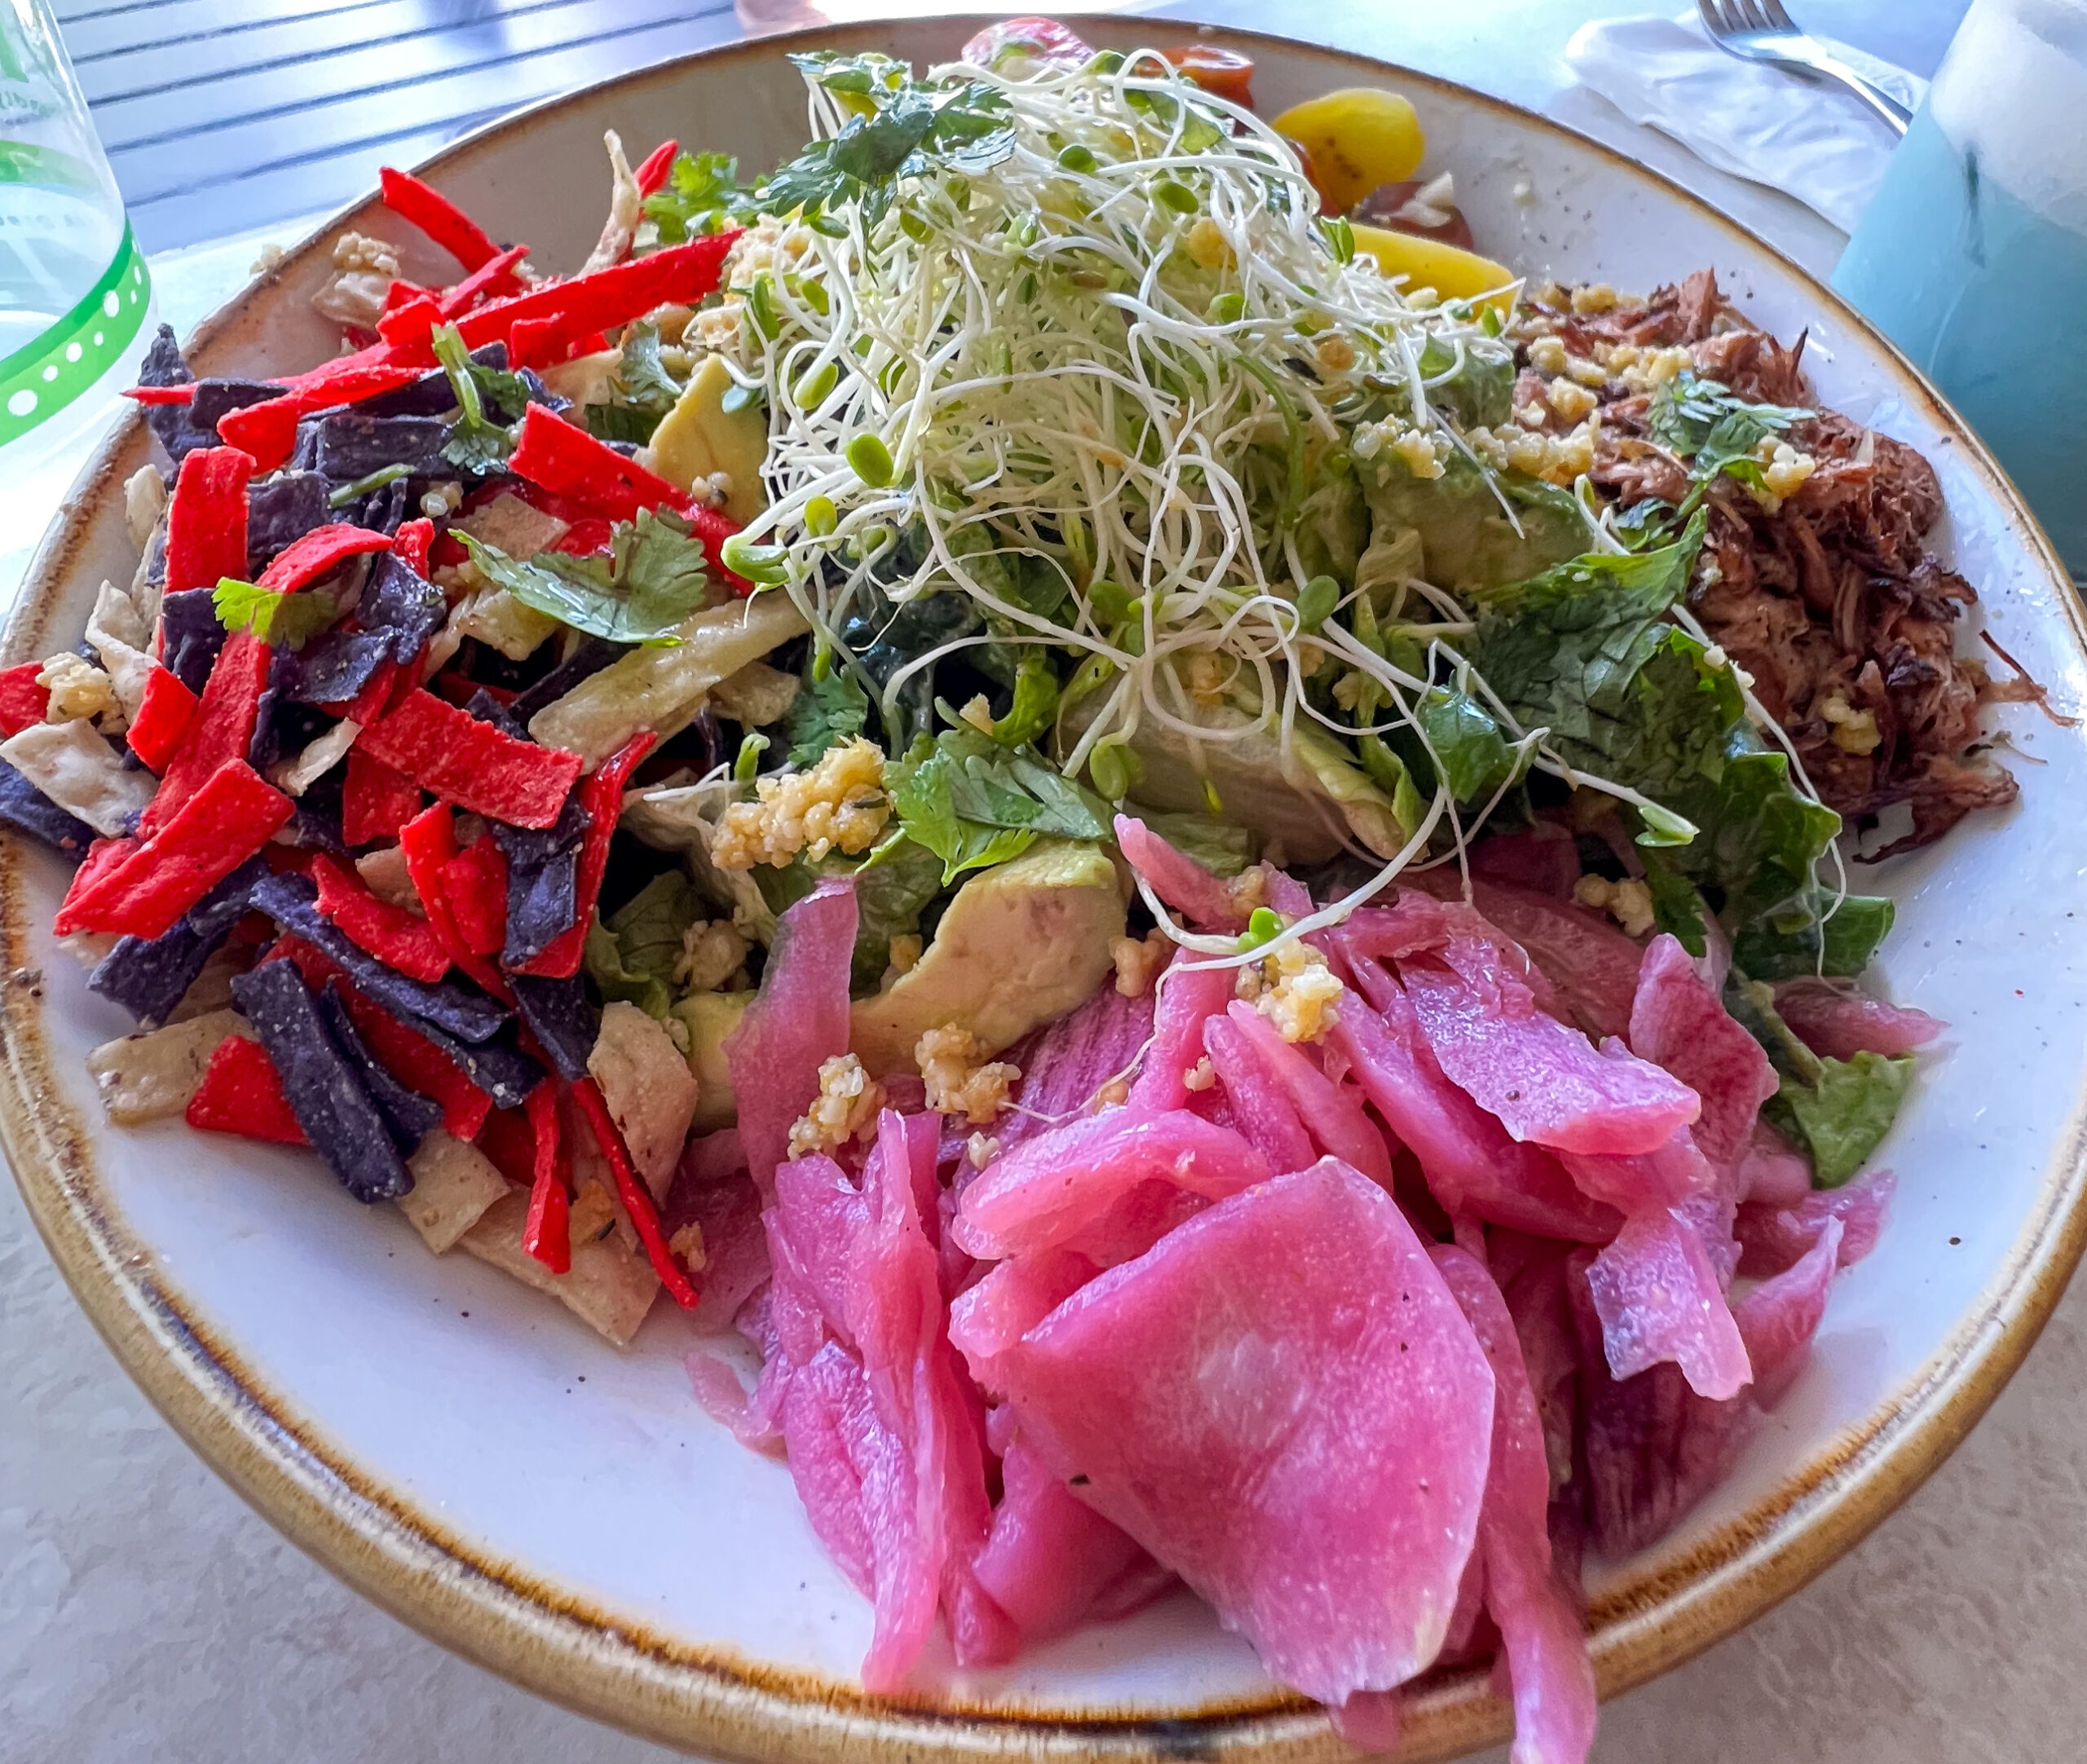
711	1016
1020	943
699	436
1466	539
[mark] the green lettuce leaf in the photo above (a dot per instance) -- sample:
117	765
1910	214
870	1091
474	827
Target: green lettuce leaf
630	956
1836	1112
1783	946
656	575
1474	758
1584	650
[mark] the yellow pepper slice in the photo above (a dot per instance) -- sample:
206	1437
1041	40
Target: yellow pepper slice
1453	272
1358	138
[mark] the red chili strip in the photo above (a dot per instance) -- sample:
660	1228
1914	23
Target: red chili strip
421	205
586	537
376	801
472	763
319	554
164	714
242	1093
681	274
428	841
411	1058
22	702
602	796
547	1230
162	395
493	279
405	293
268	431
410	544
651	173
637	1198
104	856
375	697
399	939
474	883
230	818
220	732
206	519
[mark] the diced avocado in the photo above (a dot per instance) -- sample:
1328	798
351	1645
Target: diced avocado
711	1016
1466	537
1020	943
699	436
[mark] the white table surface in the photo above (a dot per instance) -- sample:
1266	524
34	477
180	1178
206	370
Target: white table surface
146	1613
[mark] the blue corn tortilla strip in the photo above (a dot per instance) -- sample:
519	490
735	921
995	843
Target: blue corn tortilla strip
409	1116
191	636
462	1016
149	977
171	424
332	668
527	847
346	446
543	902
488	709
326	1092
398	601
29	811
381	511
279	510
593	654
498	1067
216	399
562	1017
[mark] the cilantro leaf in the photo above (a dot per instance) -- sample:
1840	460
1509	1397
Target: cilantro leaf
972	803
832	708
642	390
477	443
701	195
656	575
1694	417
901	128
288	621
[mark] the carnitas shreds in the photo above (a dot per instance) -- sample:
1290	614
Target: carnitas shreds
1828	595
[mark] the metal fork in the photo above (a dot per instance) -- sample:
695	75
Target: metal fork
1761	30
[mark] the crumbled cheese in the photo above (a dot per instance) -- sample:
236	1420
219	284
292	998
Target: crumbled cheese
1547	355
1557	459
1417	451
1548	293
960	1080
980	1150
717	328
1139	961
1646	370
1248	890
1569	399
1532	415
1629	902
711	953
77	688
1294	988
266	259
978	713
1786	469
1207	245
1596	297
687	1246
840	802
1854	731
846	1108
1200	1076
1336	353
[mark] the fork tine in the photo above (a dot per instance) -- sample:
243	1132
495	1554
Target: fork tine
1714	17
1777	15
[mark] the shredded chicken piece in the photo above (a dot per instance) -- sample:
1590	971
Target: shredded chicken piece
1628	902
77	688
688	1247
712	952
364	270
626	210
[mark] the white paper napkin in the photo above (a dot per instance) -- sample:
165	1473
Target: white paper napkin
1816	142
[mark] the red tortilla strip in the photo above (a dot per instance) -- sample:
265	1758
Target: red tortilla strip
546	1230
318	553
376	801
602	796
22	702
206	519
242	1093
216	830
399	939
421	205
472	763
220	732
474	883
164	714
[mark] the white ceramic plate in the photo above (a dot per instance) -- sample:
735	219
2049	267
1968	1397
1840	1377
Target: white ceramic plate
483	1465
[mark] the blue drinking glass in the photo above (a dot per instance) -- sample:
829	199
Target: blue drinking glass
1973	257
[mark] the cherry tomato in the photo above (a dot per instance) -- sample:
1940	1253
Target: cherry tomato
1222	73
